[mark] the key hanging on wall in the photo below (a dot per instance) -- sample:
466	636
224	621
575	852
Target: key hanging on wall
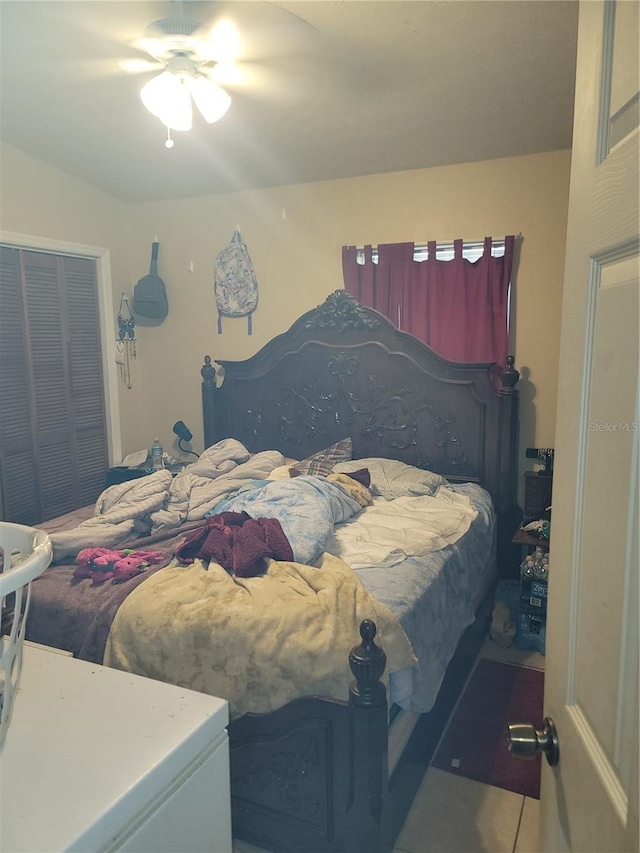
126	341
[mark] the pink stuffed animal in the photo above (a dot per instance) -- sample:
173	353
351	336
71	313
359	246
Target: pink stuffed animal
96	563
103	564
96	556
135	562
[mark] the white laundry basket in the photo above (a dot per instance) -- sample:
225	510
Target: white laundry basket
24	554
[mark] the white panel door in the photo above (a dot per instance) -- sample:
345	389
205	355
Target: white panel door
590	799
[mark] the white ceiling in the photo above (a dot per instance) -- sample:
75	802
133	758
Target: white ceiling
337	89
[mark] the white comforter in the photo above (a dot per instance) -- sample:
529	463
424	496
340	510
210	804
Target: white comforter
160	501
388	532
423	516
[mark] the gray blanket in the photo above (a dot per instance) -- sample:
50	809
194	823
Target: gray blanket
71	613
159	502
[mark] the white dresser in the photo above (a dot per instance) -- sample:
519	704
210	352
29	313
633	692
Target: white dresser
97	759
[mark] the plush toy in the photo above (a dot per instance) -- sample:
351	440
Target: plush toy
502	630
97	557
132	564
96	563
103	564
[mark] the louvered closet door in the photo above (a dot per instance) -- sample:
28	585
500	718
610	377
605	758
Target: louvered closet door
53	449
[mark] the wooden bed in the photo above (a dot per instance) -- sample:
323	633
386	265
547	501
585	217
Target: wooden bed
313	775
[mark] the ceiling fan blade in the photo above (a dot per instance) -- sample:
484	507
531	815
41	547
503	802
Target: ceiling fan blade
227	73
258	80
139	66
255	30
222	44
95	68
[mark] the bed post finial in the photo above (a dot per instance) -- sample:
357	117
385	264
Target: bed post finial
509	377
209	390
367	662
208	372
368	818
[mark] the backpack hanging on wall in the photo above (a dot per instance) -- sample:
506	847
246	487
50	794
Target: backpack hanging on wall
235	283
150	304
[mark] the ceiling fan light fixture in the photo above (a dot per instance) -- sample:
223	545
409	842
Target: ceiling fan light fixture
168	98
212	101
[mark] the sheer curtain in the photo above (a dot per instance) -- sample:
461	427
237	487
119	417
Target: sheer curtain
458	307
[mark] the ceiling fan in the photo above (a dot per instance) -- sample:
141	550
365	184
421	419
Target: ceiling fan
195	63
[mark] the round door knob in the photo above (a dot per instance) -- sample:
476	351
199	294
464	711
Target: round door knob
525	741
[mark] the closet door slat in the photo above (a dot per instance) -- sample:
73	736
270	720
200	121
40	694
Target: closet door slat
87	388
53	449
18	465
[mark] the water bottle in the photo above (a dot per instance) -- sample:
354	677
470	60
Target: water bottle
544	568
527	569
156	455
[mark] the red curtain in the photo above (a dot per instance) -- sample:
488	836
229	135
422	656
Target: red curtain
457	307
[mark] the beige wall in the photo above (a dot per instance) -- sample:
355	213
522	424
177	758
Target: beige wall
295	235
42	203
39	200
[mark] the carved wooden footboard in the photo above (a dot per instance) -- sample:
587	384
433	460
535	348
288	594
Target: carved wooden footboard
312	776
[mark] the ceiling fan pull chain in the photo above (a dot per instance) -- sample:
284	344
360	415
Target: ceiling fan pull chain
169	143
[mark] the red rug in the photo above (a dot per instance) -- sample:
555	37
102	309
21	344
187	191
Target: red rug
476	742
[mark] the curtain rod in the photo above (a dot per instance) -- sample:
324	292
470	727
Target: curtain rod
472	245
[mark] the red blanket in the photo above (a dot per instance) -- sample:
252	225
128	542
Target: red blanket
238	542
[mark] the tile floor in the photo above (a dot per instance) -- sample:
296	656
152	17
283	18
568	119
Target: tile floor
451	814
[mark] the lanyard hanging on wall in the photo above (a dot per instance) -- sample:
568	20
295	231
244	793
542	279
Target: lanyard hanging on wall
126	340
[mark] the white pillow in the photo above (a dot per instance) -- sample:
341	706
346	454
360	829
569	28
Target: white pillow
283	472
393	479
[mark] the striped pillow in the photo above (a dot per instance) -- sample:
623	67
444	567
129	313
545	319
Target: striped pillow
321	463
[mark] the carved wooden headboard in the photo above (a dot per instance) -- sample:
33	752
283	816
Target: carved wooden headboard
344	370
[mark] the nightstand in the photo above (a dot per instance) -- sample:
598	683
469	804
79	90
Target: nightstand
528	541
122	474
538	486
97	759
